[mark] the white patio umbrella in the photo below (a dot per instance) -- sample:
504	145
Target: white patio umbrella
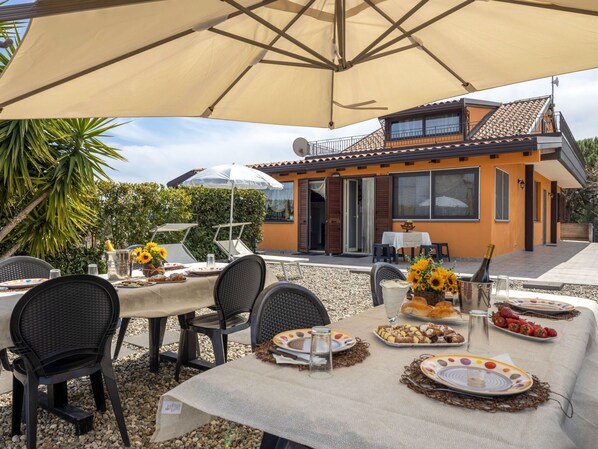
444	201
232	176
325	63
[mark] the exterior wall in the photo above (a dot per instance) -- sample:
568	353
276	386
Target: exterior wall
465	238
477	113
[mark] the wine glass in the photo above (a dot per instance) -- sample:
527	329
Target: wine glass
394	292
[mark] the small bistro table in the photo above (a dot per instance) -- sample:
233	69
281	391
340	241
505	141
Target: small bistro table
406	240
365	406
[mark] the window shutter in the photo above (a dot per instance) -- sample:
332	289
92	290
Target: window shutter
383	207
303	228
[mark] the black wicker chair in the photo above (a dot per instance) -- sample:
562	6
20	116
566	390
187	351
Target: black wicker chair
21	267
381	271
235	292
62	330
283	306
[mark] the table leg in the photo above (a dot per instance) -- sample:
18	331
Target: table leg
56	402
190	349
157	327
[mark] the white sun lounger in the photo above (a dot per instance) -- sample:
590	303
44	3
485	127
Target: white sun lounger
239	249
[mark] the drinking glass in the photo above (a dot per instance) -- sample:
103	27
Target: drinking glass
394	292
501	292
55	273
92	269
478	340
210	261
320	355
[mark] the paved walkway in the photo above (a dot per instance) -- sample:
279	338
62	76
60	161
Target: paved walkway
569	262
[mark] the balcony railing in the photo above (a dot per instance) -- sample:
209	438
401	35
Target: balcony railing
432	136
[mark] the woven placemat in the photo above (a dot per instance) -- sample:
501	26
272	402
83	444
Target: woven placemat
565	316
350	357
417	381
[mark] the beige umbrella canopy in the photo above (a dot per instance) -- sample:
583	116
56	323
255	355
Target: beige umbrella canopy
325	63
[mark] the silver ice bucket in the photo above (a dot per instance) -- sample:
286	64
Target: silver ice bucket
474	295
117	263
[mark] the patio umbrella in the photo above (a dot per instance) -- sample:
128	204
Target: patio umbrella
325	63
444	201
232	176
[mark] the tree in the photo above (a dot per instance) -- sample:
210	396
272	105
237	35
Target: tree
582	204
48	171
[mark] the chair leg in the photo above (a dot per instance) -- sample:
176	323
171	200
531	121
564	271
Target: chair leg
270	441
124	323
18	393
110	381
284	271
4	360
180	352
300	270
218	345
225	346
97	388
31	411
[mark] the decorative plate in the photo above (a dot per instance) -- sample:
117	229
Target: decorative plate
204	272
173	266
527	337
447	320
501	379
299	340
23	283
134	284
416	345
541	305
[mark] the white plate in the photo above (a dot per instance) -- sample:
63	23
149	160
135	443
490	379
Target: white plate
23	283
541	305
448	320
299	340
527	337
416	345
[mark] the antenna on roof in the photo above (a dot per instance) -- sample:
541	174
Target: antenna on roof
554	82
301	147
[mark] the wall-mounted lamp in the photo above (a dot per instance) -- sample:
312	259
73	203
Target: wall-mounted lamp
551	195
521	183
335	175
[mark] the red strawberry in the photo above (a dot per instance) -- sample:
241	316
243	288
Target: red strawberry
500	321
527	329
540	332
513	325
550	332
507	312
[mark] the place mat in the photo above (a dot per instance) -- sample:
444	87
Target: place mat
350	357
417	381
568	316
17	290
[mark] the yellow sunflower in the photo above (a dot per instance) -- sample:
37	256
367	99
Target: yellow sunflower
144	257
151	245
436	282
420	265
452	280
137	251
163	253
412	277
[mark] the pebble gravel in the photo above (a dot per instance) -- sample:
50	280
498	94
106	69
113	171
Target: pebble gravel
343	294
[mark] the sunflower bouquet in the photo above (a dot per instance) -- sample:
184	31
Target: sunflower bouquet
150	254
427	275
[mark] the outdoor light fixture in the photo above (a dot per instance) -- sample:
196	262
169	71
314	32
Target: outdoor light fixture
521	183
335	175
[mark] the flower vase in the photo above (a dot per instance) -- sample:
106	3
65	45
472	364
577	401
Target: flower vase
150	270
432	297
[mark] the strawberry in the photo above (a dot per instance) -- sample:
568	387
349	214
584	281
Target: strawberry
513	325
550	332
507	312
540	332
500	321
527	329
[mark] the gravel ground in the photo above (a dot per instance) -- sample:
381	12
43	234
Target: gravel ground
343	293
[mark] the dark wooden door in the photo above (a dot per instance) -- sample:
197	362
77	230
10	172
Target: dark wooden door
334	216
303	218
383	207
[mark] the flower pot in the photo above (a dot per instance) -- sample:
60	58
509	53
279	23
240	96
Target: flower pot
432	297
150	270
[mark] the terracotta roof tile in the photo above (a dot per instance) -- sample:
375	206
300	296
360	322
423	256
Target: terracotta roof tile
512	119
373	140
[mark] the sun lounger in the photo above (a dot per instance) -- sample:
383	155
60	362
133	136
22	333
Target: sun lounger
237	248
177	252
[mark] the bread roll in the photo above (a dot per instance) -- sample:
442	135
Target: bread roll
418	306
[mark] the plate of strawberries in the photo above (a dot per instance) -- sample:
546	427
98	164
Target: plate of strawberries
508	321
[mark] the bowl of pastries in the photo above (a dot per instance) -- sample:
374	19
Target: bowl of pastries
428	334
442	312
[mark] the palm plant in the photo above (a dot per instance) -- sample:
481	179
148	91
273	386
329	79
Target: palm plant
48	170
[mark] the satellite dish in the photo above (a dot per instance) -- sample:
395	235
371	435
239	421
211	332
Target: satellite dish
301	147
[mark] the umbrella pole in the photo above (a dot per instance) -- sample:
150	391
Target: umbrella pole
230	229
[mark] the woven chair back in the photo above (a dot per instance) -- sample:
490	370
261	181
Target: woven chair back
23	267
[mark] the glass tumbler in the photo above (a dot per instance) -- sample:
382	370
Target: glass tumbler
55	273
210	261
320	355
92	269
478	340
501	292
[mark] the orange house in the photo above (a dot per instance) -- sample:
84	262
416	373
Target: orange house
468	172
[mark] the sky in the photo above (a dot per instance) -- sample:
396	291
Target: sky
160	149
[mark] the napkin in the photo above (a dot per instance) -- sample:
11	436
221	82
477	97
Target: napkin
505	358
282	360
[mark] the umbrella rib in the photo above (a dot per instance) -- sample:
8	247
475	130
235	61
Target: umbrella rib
211	108
426	24
33	10
293	64
282	33
390	52
339	13
552	7
395	26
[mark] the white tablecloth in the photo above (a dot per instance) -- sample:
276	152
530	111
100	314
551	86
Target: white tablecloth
365	406
145	302
406	239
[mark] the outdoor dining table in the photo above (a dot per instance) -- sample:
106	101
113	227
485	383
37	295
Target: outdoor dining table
365	406
406	239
